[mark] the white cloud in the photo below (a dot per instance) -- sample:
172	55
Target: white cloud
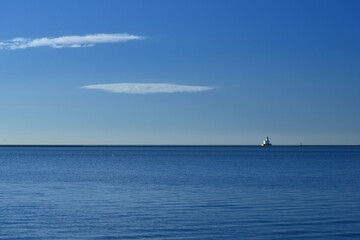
143	88
67	41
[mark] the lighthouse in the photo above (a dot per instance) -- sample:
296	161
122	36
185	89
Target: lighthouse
266	142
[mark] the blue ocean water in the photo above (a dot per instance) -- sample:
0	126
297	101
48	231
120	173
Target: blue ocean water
180	193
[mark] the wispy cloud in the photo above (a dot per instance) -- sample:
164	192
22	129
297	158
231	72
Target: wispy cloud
67	41
143	88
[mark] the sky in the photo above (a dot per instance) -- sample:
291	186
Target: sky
180	72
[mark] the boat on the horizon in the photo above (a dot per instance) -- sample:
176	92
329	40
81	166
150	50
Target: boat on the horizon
266	142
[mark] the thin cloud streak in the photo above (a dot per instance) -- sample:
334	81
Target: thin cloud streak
67	41
144	88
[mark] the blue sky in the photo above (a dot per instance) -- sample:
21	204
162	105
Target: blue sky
236	71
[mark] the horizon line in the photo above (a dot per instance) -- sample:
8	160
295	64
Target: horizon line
175	145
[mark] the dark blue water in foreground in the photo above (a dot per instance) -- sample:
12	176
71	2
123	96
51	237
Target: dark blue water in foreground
180	193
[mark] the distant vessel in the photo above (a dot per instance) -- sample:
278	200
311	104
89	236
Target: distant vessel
266	142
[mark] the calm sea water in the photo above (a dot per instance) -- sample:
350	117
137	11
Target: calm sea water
180	193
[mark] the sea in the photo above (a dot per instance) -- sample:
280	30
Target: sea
180	192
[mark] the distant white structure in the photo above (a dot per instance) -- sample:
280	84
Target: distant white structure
266	142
